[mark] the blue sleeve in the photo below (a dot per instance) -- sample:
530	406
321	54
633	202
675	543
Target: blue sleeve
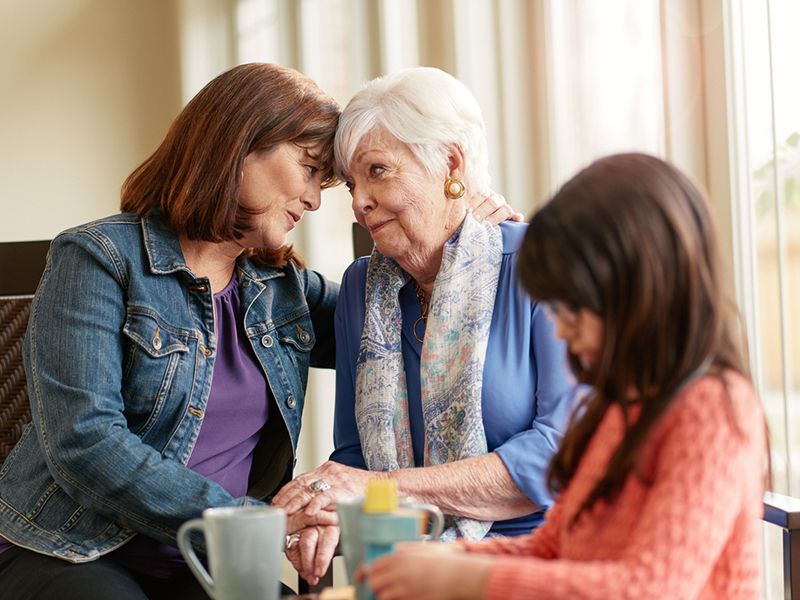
527	454
527	383
348	323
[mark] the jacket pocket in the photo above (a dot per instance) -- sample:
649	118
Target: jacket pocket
297	339
152	358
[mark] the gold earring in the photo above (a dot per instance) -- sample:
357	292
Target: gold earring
454	188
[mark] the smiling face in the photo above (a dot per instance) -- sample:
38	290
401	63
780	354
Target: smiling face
279	184
402	205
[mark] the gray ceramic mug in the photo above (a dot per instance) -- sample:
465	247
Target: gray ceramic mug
245	548
350	542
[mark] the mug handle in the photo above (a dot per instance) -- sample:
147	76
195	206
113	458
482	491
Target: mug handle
436	520
188	552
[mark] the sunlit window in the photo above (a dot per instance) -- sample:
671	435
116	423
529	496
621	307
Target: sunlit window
769	155
606	81
764	100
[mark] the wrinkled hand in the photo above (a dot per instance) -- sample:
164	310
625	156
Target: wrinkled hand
495	209
344	481
302	520
440	572
312	553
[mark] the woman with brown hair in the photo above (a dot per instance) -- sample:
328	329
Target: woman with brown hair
661	472
168	348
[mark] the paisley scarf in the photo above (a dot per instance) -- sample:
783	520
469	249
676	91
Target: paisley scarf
451	365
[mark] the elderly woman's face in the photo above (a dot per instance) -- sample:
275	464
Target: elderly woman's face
402	206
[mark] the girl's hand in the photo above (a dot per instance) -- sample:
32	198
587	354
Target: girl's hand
427	571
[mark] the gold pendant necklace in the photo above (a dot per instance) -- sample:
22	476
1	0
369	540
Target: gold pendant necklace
423	307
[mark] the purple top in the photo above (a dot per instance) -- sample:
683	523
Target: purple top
236	411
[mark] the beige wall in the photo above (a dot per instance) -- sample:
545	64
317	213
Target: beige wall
87	90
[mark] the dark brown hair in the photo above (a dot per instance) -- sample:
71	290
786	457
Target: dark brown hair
193	177
630	238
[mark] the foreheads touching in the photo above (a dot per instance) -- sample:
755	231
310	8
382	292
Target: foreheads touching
194	175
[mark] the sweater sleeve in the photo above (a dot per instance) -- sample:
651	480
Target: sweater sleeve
684	526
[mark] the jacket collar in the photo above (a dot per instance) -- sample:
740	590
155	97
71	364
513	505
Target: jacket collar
162	246
165	255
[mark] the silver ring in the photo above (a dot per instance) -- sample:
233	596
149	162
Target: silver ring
291	540
319	486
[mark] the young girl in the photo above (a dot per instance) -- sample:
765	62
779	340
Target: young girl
660	475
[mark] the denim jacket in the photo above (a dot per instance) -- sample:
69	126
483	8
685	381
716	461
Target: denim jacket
119	355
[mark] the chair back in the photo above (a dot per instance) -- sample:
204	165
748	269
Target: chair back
784	512
362	241
21	267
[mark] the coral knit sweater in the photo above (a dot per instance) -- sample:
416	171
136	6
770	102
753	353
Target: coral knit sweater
693	532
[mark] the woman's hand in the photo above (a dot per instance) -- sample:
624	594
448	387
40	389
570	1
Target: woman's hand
342	481
301	520
311	550
495	209
427	571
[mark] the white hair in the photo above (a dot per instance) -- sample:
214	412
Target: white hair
428	110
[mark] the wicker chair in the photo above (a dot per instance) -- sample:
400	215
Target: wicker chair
21	267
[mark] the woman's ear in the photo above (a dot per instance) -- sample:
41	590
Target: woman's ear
456	163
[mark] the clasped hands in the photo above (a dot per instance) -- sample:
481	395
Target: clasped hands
312	522
442	570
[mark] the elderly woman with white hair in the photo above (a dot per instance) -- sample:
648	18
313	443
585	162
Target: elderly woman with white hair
449	379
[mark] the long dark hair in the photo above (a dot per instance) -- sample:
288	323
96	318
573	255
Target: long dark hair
630	238
193	177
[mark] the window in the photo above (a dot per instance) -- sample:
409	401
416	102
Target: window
606	81
764	92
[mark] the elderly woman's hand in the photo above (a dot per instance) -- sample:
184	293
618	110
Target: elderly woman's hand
322	487
495	209
427	571
311	550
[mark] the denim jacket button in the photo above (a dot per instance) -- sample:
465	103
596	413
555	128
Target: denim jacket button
291	402
245	283
266	341
304	337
